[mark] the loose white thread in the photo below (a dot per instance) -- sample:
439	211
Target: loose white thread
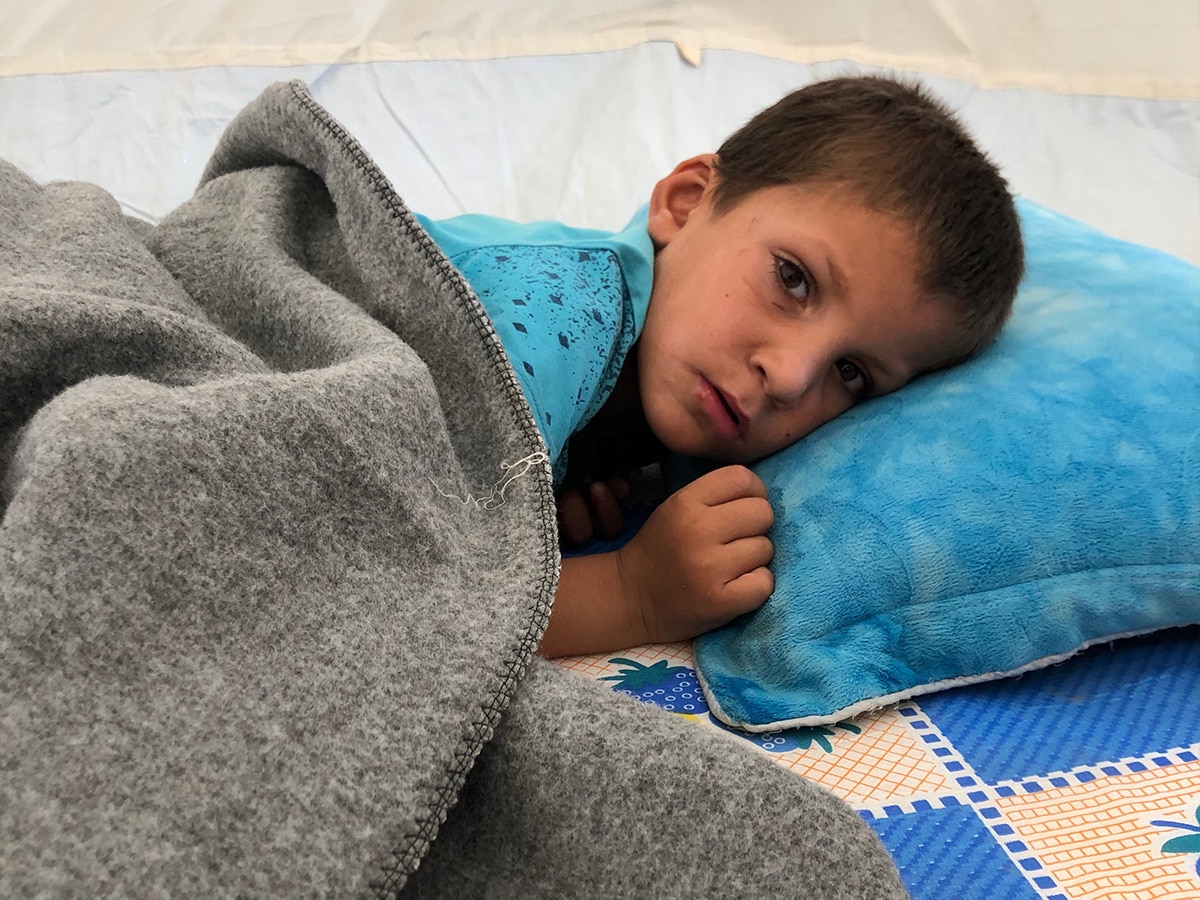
512	471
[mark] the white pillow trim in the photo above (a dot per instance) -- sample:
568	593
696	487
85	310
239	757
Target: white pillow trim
873	704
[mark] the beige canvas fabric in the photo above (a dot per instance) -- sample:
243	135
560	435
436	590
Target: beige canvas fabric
1139	48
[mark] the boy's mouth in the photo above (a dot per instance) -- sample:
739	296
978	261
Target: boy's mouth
724	411
728	407
740	419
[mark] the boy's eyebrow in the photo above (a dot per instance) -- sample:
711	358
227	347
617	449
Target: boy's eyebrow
835	274
836	278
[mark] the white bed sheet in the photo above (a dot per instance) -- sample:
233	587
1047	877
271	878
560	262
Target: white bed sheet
582	137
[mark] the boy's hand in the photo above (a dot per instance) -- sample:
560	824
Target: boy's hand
699	561
594	510
701	558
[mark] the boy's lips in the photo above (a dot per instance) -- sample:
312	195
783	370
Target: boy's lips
723	411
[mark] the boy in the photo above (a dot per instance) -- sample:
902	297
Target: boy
844	241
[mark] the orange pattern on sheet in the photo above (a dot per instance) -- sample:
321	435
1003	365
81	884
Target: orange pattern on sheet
1097	838
1098	832
885	761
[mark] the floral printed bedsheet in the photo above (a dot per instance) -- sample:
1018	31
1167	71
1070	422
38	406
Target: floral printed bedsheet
1076	782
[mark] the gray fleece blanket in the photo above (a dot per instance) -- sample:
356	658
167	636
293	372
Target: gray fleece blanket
278	545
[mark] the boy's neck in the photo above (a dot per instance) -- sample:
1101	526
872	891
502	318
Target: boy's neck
618	439
625	401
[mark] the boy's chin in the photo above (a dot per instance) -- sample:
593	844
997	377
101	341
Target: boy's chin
727	456
684	439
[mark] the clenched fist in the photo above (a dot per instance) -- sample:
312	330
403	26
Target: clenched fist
701	558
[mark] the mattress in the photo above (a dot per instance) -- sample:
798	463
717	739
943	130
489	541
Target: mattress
1079	781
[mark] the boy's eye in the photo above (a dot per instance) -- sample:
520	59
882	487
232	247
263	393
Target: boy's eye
793	278
854	377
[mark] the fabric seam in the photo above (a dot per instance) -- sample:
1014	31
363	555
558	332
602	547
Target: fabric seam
479	731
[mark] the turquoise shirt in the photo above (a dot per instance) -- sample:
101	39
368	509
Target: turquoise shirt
567	304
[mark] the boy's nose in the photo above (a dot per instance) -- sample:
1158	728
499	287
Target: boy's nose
789	373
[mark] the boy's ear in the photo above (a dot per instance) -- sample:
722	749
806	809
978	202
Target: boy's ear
675	197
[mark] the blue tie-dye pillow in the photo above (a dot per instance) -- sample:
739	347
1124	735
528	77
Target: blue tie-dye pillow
993	518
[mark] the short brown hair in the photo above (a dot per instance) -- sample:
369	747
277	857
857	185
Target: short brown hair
905	155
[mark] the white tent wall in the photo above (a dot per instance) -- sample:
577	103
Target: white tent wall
1144	49
567	111
556	109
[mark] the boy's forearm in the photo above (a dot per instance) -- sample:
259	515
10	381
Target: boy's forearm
591	612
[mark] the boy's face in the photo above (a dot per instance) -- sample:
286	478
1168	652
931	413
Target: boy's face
777	315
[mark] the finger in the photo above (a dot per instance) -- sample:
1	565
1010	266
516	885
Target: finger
725	484
606	510
574	519
741	518
746	555
620	487
748	591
